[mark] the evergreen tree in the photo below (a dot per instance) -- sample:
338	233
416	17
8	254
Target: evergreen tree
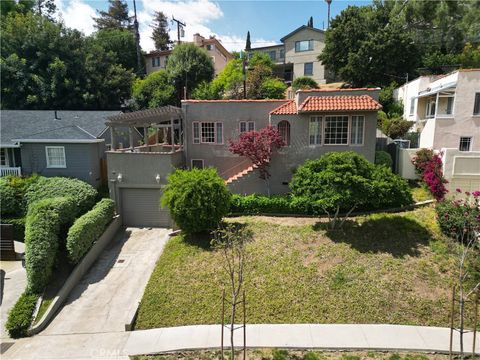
115	18
46	8
248	45
160	32
310	22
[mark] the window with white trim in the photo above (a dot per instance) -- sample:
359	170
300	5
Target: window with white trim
449	110
476	105
356	131
465	143
3	157
196	133
315	130
304	45
207	132
55	156
197	163
247	126
284	130
336	130
412	106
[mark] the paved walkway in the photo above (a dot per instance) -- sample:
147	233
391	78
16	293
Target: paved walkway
118	345
13	283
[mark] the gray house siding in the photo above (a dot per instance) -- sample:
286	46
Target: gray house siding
82	160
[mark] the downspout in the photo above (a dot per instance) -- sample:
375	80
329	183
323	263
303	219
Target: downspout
185	133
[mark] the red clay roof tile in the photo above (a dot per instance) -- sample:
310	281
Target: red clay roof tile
338	103
289	108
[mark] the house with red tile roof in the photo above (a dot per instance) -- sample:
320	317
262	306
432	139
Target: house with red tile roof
317	121
312	124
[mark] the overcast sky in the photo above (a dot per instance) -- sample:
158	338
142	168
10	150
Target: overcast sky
229	21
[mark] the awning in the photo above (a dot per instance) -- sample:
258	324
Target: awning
437	89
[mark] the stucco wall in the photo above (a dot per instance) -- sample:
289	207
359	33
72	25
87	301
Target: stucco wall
82	160
449	130
298	59
405	167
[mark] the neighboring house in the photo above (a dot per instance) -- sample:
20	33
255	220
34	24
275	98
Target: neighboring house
157	60
314	123
56	143
445	108
297	54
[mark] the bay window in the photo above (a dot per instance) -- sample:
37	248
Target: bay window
356	131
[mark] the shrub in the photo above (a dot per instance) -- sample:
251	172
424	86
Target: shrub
47	220
336	181
390	190
83	194
460	219
433	177
88	228
198	199
304	82
12	191
18	227
20	315
383	158
273	89
420	160
277	204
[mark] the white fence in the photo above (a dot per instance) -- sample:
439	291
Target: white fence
6	171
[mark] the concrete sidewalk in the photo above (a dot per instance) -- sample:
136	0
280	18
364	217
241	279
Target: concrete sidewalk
119	345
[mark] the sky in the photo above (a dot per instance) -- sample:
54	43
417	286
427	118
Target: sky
229	21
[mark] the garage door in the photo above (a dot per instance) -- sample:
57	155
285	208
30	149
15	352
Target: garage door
141	207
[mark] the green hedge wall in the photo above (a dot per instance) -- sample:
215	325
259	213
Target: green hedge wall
12	191
46	221
18	227
88	228
83	194
20	315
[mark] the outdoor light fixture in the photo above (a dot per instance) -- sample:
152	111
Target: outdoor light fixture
119	177
157	178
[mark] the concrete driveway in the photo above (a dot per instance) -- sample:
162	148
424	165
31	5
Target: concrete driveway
112	289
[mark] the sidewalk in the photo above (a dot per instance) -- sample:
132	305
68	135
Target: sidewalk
118	345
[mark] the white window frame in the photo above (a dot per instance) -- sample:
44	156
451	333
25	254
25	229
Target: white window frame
199	139
192	160
428	114
412	107
247	126
469	144
310	42
351	129
50	166
304	73
325	128
478	109
319	124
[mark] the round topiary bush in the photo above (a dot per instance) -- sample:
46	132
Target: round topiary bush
198	199
383	158
83	194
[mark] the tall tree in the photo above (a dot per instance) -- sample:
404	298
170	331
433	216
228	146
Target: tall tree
248	44
160	35
310	22
46	8
122	43
189	66
115	18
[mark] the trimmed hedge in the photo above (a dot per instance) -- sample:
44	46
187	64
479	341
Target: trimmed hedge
198	199
275	204
18	227
21	315
383	158
47	221
83	194
88	228
12	191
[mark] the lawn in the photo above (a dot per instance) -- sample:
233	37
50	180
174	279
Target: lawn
382	268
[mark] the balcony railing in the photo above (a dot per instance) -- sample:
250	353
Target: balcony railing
6	171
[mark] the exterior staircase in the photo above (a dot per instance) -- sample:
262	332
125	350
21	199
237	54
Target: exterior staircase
241	174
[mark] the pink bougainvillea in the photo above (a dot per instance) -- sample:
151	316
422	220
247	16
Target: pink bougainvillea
258	146
433	177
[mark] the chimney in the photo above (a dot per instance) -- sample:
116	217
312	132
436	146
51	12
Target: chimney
198	39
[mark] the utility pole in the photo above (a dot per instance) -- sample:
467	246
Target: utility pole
137	40
180	26
329	2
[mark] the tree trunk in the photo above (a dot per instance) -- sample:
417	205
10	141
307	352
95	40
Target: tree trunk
232	326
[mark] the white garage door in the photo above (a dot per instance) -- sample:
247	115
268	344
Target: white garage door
141	207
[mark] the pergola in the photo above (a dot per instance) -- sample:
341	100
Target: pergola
165	118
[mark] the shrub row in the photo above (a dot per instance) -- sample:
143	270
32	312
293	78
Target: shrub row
12	191
82	193
18	227
88	228
276	204
21	315
47	221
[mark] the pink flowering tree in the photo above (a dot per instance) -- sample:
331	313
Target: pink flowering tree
459	219
433	177
258	146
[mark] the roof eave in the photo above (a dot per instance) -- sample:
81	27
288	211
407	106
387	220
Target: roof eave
59	141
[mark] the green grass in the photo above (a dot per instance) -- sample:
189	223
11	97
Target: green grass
274	354
420	192
381	268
